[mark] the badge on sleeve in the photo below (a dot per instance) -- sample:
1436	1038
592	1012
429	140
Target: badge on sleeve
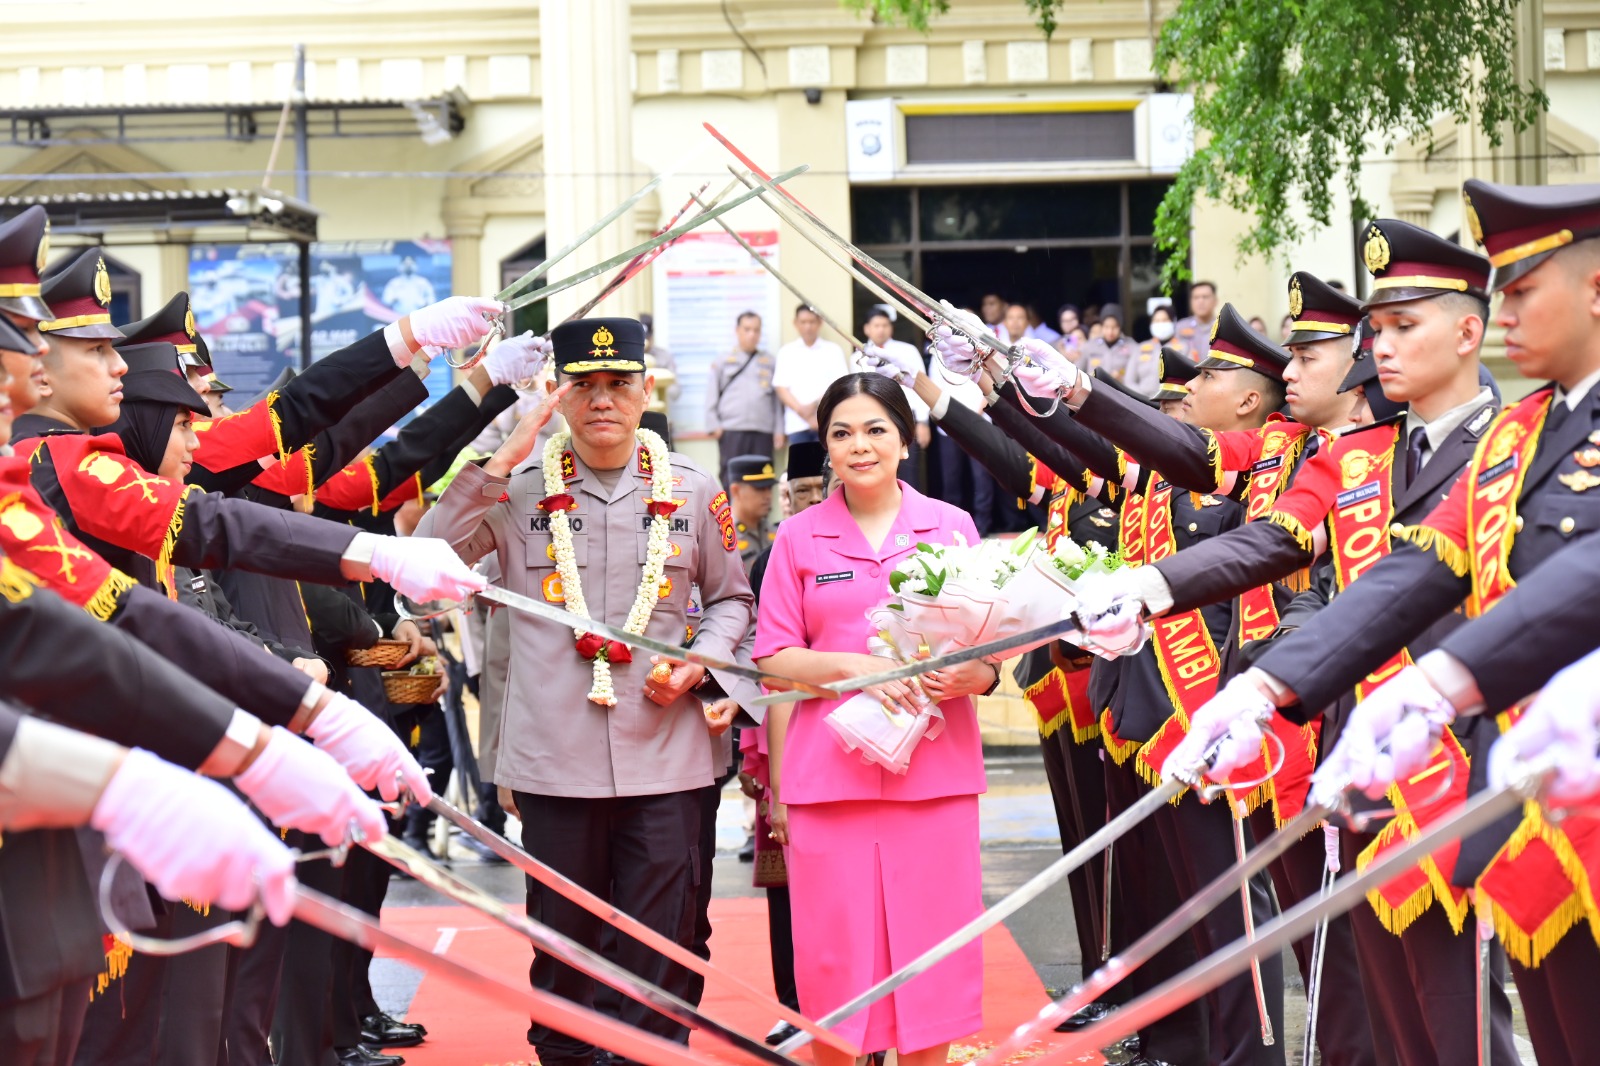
723	513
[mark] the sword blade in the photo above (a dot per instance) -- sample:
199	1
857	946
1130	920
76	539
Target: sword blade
529	605
1065	629
992	917
643	259
1476	814
576	893
557	946
670	235
1141	951
347	923
888	277
777	274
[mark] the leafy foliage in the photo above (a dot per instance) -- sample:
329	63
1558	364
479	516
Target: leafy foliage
1291	94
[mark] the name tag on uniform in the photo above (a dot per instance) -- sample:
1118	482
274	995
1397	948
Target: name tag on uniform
842	575
1360	494
1498	470
1263	465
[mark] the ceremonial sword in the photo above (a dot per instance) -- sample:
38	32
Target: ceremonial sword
625	923
549	942
659	239
1476	814
778	274
361	929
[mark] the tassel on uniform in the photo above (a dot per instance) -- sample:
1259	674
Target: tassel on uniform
118	954
1440	546
169	542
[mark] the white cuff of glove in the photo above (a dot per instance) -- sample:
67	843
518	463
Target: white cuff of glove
1454	681
1151	587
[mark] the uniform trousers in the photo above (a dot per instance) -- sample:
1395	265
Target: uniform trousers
1078	791
780	932
44	1030
1200	843
737	442
1345	1028
302	1027
1422	986
1149	895
123	1025
1558	998
642	854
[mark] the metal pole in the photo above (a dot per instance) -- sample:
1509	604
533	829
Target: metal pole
302	192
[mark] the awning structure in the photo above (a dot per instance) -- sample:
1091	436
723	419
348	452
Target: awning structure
264	214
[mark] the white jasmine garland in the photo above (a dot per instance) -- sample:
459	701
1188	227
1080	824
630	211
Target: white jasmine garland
659	548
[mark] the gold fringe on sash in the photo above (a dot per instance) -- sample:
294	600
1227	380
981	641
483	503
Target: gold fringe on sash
1442	547
1214	457
16	584
1119	750
1530	947
169	543
277	426
118	955
372	475
1296	528
108	597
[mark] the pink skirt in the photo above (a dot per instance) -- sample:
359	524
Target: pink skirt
873	885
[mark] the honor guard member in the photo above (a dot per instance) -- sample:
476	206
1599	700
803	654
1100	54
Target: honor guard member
750	482
1522	499
24	247
743	412
604	751
233	448
805	484
1428	308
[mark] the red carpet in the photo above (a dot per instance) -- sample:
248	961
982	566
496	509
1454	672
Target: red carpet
463	1031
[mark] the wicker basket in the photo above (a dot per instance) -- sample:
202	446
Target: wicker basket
386	654
403	687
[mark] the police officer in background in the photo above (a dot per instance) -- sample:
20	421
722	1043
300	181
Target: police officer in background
606	754
750	482
743	413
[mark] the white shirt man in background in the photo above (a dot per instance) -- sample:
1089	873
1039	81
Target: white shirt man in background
805	369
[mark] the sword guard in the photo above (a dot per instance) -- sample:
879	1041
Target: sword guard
497	333
240	932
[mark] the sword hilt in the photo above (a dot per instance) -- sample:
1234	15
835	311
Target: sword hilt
497	333
240	932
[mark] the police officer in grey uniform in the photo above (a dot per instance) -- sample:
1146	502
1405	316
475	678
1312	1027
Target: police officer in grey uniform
743	412
608	795
750	484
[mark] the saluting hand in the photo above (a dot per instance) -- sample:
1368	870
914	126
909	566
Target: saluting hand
519	445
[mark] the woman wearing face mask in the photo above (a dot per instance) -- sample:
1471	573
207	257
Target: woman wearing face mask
881	866
1143	371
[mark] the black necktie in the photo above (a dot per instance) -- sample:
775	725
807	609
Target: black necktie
1556	415
1414	446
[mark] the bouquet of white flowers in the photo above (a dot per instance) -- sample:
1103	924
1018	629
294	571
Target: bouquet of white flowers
943	598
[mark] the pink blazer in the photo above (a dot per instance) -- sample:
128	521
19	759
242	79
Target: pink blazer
820	582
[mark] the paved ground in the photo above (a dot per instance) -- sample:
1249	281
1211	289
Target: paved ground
1019	839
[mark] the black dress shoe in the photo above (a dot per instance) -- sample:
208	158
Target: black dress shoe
483	851
380	1030
748	852
363	1055
780	1032
1084	1017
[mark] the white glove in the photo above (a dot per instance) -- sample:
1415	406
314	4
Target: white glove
424	568
1110	613
455	322
192	839
1559	726
897	364
1046	373
299	787
1408	714
955	351
368	749
1235	717
517	359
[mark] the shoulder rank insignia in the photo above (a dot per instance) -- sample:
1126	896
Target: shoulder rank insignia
1579	480
569	465
1482	419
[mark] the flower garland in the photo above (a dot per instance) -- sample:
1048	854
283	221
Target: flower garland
557	503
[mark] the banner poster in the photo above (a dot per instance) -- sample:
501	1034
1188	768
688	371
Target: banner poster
702	283
247	304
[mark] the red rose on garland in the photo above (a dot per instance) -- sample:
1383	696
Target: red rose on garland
663	508
561	501
590	645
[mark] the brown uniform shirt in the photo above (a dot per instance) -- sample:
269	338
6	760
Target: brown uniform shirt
553	740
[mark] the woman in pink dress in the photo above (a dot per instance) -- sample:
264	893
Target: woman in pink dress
881	866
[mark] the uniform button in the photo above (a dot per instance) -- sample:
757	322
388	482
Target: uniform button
1396	529
1567	525
1194	527
1520	522
873	572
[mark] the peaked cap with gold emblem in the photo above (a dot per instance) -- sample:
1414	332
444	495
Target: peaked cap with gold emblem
752	470
1321	312
24	247
1234	344
1521	226
1176	370
154	377
78	290
174	324
1409	263
592	344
